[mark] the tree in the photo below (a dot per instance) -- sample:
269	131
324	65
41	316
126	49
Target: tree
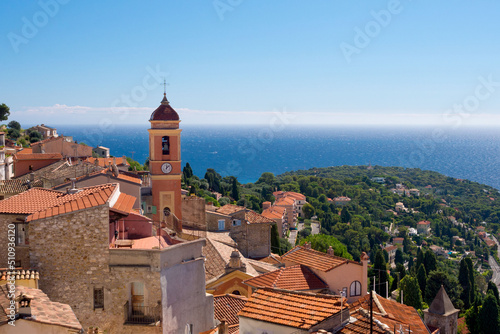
411	292
420	258
472	317
308	210
235	194
473	288
399	256
267	178
322	242
488	316
4	112
14	125
13	134
345	216
437	278
492	288
380	267
464	280
430	261
422	278
187	171
275	239
35	136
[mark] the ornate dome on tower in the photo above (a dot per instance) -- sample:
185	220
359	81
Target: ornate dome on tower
164	112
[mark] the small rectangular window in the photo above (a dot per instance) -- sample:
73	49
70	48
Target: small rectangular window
98	298
165	144
21	234
236	222
221	224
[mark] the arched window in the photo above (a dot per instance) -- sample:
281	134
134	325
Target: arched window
236	292
165	145
355	289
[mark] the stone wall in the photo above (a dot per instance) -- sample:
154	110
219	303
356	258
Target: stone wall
213	221
254	240
21	254
73	257
193	212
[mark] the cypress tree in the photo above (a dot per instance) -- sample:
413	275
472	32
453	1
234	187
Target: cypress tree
430	261
234	192
488	316
275	240
468	261
422	278
411	292
492	288
464	280
381	271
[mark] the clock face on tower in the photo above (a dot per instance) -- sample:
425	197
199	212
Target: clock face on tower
166	168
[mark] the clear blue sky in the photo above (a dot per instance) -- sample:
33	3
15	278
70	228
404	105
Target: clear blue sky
237	61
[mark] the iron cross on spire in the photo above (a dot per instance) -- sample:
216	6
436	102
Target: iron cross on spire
164	86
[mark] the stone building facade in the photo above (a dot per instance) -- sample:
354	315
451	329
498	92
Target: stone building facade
108	287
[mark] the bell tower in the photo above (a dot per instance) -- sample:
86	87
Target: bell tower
165	161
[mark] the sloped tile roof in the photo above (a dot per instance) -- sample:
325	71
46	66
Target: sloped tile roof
359	323
290	308
314	259
273	259
41	203
43	310
296	278
84	199
103	162
284	201
124	203
274	212
45	141
391	313
253	217
37	156
164	112
227	307
16	186
229	209
30	201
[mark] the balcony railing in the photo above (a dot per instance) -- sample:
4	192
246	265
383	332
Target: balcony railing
142	315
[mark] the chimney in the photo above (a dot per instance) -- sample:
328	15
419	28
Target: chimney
223	328
266	205
24	305
235	263
330	251
307	245
73	189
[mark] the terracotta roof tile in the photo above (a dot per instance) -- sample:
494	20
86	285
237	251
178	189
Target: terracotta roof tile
274	212
227	307
290	308
43	310
284	201
37	156
391	313
273	259
296	278
40	203
103	162
229	209
253	217
314	259
124	203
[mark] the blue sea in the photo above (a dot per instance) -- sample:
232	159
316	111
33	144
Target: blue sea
247	152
